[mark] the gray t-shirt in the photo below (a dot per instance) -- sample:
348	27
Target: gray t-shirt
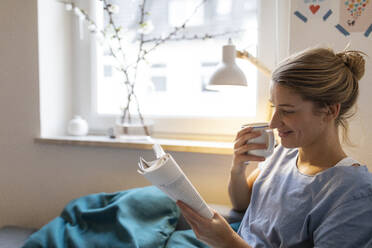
289	209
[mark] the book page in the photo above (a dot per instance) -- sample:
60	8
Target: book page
166	174
182	189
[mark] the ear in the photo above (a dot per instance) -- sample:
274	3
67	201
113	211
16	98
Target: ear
333	110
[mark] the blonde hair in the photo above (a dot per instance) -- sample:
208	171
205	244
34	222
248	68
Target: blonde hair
324	77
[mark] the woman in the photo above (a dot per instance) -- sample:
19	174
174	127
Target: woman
309	193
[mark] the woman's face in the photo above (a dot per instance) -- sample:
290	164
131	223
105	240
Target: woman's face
295	119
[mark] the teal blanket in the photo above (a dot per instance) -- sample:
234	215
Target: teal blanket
142	217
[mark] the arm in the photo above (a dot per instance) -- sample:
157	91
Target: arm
240	187
215	232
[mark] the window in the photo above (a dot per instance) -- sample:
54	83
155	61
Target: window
171	88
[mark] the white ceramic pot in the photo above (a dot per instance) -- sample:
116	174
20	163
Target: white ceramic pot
77	126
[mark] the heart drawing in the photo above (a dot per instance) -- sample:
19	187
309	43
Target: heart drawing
314	8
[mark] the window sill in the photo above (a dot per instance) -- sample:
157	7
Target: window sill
179	145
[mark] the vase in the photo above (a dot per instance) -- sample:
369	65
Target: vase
134	129
77	126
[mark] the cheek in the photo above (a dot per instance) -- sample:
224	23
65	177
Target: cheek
310	128
303	124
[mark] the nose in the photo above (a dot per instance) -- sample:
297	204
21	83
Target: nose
275	120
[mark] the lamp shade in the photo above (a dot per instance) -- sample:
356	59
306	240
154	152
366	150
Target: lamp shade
228	74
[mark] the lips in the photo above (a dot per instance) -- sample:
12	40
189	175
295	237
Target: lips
283	134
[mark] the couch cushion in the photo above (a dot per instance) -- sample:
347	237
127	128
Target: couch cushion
13	236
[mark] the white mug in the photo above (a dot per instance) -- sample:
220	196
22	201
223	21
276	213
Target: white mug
267	137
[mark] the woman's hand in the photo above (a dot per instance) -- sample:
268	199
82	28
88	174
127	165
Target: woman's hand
216	232
240	187
241	148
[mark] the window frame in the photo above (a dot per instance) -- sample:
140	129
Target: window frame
85	87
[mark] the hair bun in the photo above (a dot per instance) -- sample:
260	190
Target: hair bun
354	61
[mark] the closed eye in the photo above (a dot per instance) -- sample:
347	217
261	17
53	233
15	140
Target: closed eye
283	111
287	111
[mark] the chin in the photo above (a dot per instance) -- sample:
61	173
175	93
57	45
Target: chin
288	144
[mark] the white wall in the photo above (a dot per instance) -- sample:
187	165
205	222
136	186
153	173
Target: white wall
37	180
316	31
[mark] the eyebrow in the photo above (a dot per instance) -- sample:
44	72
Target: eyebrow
286	105
283	104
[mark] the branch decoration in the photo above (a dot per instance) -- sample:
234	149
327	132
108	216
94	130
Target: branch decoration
112	36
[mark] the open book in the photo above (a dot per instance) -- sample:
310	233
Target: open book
165	173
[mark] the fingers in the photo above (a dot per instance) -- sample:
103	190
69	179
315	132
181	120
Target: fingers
247	147
193	218
243	131
241	148
190	212
215	232
244	137
241	159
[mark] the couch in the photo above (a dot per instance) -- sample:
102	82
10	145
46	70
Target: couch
15	236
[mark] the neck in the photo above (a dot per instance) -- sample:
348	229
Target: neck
324	153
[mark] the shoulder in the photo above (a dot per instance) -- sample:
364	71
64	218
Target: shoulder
349	176
343	200
346	184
